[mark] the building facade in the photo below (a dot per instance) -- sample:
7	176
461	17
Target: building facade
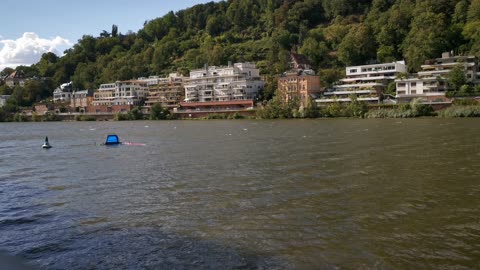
367	82
238	82
168	91
431	83
299	85
104	95
132	92
16	78
81	99
63	93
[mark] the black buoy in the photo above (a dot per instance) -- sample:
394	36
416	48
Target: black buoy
46	144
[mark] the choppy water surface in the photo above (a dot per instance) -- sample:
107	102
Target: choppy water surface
319	194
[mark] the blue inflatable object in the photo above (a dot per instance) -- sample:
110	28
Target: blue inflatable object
112	140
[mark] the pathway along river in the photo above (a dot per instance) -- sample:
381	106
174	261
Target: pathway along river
313	194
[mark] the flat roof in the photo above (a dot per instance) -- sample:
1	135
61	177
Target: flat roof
217	103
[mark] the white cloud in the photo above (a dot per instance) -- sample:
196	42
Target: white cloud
28	49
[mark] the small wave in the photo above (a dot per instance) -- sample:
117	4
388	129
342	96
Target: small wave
16	221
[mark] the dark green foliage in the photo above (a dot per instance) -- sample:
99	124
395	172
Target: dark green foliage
461	111
456	77
84	118
157	112
135	114
49	116
465	102
413	109
276	108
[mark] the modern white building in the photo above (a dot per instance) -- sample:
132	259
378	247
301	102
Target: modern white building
130	92
238	82
431	83
120	93
63	93
367	82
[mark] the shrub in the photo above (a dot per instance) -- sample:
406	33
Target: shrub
461	111
84	118
465	101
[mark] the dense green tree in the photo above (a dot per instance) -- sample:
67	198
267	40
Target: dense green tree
6	71
426	39
46	65
358	46
114	30
157	112
456	77
84	76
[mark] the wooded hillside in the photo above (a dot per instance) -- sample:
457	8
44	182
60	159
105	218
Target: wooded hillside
331	33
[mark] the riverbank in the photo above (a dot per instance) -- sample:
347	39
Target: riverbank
463	108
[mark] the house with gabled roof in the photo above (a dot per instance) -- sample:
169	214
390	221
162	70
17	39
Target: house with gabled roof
15	78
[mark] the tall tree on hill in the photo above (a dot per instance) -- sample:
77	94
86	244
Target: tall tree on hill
114	30
426	39
470	30
46	65
358	46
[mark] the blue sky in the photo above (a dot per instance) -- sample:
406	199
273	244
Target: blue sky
32	27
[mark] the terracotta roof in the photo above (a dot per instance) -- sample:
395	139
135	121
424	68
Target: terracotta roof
16	75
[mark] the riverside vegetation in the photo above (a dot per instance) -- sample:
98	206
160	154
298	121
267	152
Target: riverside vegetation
275	109
331	33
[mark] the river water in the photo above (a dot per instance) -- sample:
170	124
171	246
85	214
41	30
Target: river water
313	194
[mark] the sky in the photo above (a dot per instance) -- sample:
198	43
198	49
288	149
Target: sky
30	28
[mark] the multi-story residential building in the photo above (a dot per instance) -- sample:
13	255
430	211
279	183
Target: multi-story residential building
104	95
81	99
367	82
431	83
120	93
238	82
131	92
63	93
168	91
299	84
16	78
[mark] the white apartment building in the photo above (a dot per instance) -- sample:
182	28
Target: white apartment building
130	92
120	93
367	82
238	82
432	82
